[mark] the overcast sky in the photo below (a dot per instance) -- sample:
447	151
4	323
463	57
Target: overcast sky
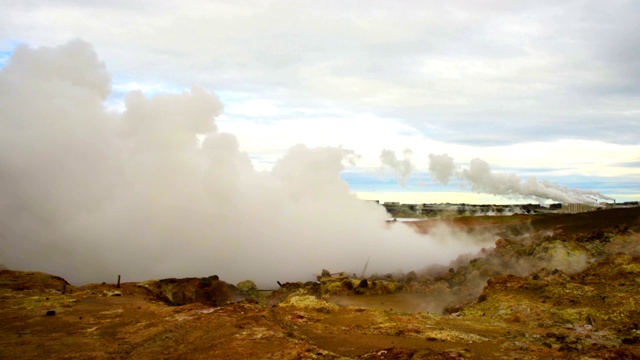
549	89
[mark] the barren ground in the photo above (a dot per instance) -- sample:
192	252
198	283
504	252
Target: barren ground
545	313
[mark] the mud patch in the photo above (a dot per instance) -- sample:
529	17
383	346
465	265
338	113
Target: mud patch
400	302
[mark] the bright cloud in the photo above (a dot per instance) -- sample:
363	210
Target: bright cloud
541	88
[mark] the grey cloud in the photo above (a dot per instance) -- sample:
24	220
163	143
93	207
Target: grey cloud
471	69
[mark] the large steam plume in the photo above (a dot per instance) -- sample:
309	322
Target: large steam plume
88	194
483	180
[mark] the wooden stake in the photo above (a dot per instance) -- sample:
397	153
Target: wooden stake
365	267
118	286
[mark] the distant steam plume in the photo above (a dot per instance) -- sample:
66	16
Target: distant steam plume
401	168
441	167
483	180
87	194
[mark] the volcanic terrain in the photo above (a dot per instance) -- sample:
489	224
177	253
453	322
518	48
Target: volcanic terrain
554	286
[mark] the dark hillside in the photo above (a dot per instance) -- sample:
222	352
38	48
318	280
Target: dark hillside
605	220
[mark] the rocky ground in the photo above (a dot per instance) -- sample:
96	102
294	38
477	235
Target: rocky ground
554	286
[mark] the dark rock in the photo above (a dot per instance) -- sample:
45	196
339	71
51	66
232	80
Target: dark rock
347	284
312	287
208	291
567	348
216	293
557	337
50	313
631	340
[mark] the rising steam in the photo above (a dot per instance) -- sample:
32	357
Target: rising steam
402	168
483	180
87	193
441	167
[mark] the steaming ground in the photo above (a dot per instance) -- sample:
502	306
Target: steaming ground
88	194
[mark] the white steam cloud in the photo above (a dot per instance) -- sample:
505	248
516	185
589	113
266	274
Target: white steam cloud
441	167
401	167
88	194
483	180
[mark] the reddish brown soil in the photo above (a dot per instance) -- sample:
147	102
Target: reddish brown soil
605	220
88	324
570	224
591	314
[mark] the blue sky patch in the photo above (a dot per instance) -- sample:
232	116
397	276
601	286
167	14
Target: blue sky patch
7	48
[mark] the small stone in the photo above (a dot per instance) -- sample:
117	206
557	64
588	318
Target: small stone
50	313
247	286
